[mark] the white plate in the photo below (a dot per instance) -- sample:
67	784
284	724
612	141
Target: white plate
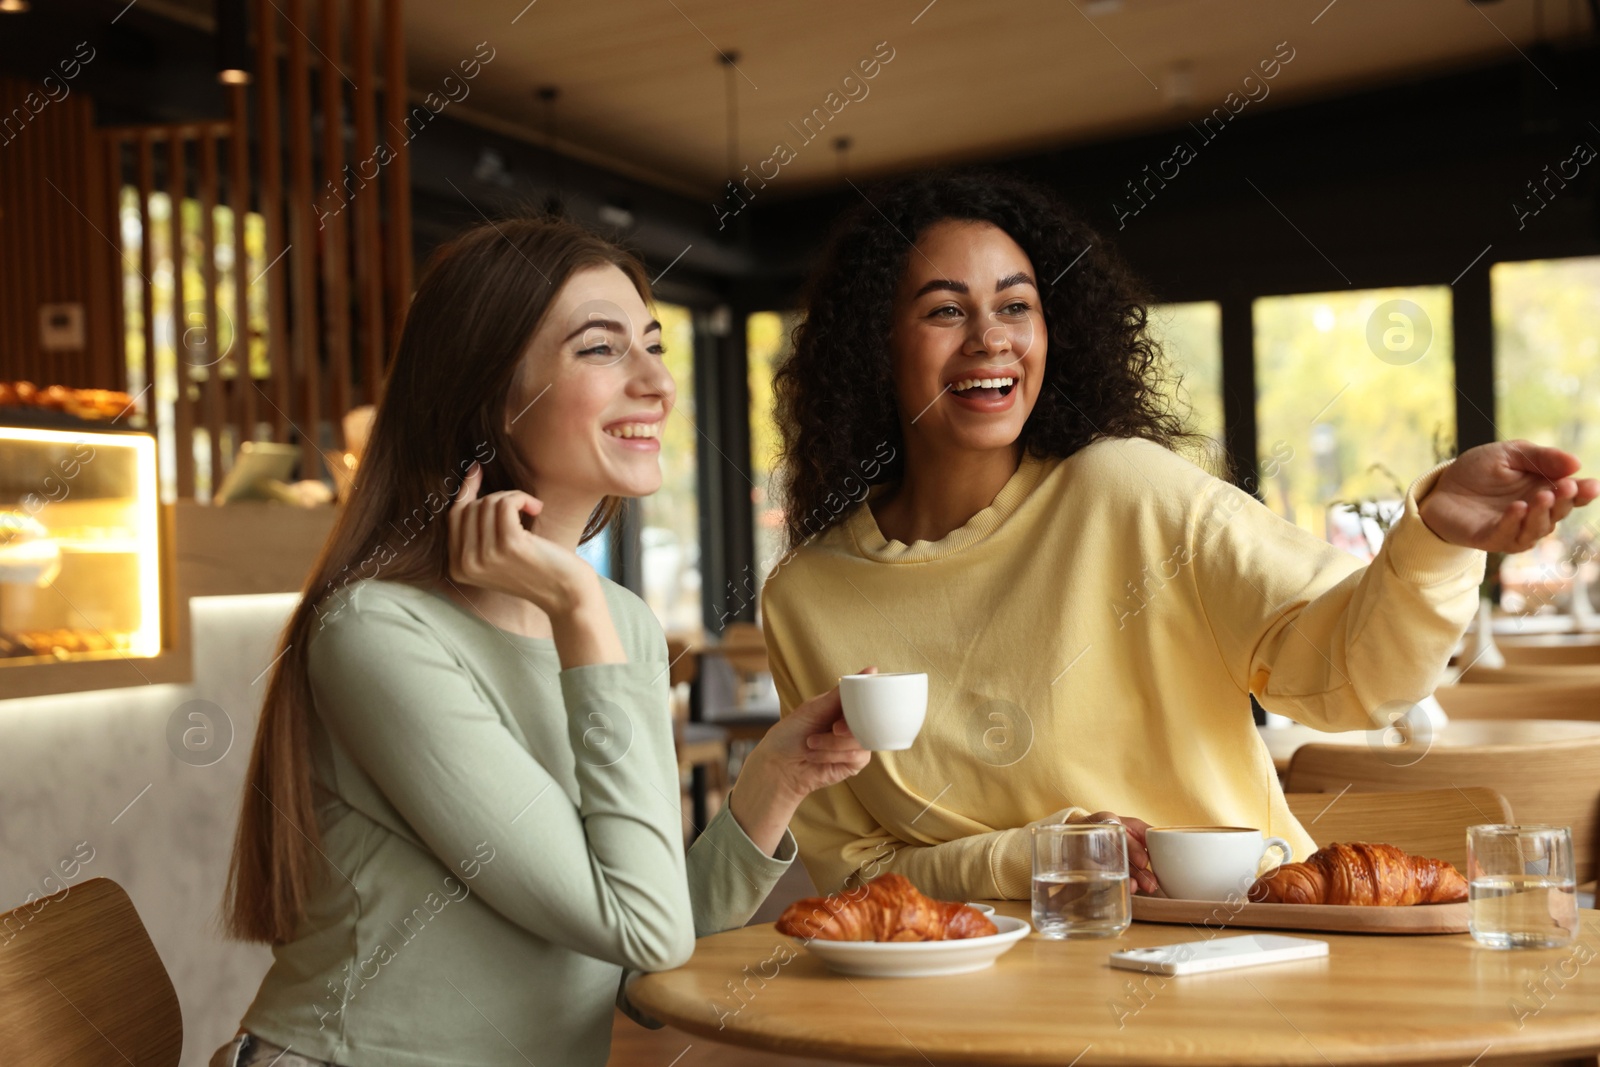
919	959
981	909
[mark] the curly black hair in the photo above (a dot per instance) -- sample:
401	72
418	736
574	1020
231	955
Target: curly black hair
1103	373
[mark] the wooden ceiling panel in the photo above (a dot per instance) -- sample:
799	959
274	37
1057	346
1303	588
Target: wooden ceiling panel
642	89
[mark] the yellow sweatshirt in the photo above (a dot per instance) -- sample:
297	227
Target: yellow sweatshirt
1089	640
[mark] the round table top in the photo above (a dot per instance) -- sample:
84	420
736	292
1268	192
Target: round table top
1373	1000
1282	741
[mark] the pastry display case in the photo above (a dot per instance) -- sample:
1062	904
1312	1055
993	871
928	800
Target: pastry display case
80	547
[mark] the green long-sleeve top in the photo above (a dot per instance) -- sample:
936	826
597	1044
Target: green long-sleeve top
503	839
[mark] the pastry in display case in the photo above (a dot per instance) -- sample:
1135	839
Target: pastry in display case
80	561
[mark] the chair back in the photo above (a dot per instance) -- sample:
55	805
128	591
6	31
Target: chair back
1551	674
1566	654
1556	783
683	660
1552	701
81	984
1428	822
744	647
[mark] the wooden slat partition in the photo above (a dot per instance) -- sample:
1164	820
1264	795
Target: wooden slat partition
269	142
207	351
243	408
182	404
334	266
366	209
110	332
57	238
65	269
13	301
398	192
332	225
146	164
302	235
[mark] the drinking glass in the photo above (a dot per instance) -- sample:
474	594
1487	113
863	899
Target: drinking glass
1080	880
1522	885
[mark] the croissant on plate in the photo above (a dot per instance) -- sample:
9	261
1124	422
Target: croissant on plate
1362	874
888	908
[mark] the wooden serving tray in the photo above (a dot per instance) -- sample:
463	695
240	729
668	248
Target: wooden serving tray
1211	915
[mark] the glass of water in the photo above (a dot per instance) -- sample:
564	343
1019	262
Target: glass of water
1522	884
1080	880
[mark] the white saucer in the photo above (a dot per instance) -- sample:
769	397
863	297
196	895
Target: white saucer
919	959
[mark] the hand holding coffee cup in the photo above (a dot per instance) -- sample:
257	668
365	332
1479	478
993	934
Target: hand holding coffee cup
884	711
1210	862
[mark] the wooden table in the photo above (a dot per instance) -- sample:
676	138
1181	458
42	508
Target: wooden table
1282	741
1375	1000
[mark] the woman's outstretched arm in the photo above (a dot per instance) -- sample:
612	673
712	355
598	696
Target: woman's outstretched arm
1309	631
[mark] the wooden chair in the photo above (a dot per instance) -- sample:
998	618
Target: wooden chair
703	752
744	648
702	748
683	661
1428	822
81	984
1553	701
1557	784
1536	675
1586	654
743	651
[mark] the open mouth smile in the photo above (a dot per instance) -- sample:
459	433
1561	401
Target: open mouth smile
991	388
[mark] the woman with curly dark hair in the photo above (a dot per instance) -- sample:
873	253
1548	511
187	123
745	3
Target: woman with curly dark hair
982	485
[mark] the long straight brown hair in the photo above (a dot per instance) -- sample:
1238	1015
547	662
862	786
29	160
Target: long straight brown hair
444	407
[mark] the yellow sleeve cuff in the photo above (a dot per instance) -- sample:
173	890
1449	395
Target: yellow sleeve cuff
1419	555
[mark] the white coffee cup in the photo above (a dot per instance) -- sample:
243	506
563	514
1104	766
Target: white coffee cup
1209	862
884	711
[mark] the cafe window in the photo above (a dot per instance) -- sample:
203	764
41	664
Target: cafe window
597	552
1355	397
669	527
767	343
1190	336
1547	390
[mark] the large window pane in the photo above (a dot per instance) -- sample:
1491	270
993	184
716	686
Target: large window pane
1547	390
1355	397
1191	342
669	528
596	551
767	344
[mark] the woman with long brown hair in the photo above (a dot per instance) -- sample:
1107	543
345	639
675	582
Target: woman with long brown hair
461	822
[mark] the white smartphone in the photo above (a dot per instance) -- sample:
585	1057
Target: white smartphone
1219	954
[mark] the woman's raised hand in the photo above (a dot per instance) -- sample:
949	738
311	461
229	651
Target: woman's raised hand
811	748
1503	497
490	549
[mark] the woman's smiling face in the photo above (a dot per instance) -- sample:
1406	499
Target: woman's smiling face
591	394
967	342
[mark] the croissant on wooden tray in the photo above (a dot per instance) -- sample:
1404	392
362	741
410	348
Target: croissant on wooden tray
888	908
1362	874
